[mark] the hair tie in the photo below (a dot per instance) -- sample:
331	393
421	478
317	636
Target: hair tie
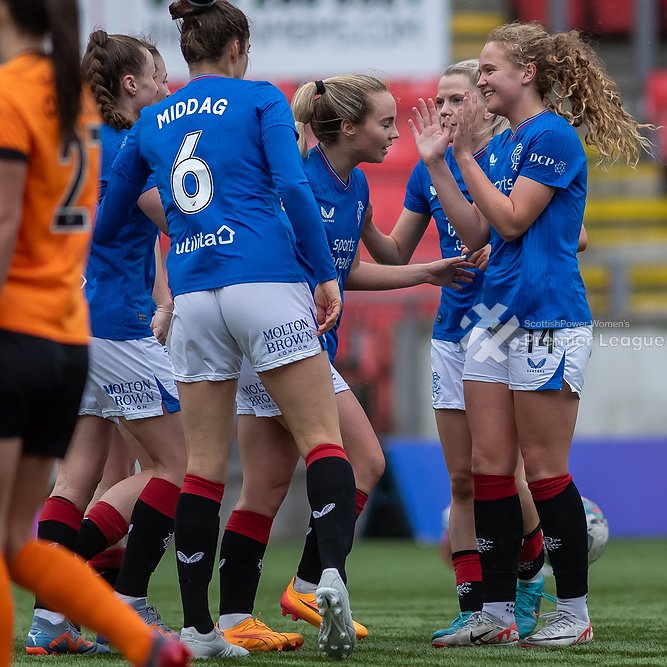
202	4
319	87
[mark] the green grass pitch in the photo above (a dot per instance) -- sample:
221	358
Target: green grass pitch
403	592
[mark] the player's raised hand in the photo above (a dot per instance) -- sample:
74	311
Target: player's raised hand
431	138
465	125
329	304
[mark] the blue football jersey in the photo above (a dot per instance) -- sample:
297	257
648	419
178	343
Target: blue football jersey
205	145
120	276
536	277
454	318
342	207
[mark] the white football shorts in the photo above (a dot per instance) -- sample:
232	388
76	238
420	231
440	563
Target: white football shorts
253	399
128	378
447	360
271	324
529	360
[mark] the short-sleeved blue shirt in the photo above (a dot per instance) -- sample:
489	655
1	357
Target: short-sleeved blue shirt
536	276
454	318
342	207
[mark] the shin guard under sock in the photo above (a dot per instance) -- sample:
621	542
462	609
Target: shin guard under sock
331	493
499	529
563	519
531	559
196	530
241	552
152	532
101	528
469	587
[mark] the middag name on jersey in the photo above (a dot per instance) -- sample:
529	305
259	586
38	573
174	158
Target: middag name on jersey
223	236
190	107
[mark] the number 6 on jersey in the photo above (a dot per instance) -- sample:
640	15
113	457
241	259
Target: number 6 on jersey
195	195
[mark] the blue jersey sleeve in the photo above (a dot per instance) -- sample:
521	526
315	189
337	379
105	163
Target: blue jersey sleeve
554	157
273	108
126	183
151	182
286	167
414	192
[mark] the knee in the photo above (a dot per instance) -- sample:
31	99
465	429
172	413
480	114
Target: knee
462	485
485	463
367	472
171	467
539	465
78	490
266	501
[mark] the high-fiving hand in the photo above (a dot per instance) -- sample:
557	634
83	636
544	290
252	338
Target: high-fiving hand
430	137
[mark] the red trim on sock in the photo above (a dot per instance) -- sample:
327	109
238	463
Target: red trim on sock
161	495
494	487
361	500
108	559
323	451
467	566
109	520
255	526
532	546
198	486
63	511
546	489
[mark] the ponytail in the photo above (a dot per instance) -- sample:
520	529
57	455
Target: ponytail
324	105
106	60
573	83
64	22
303	105
207	28
59	20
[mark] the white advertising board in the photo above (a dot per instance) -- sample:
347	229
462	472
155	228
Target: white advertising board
295	39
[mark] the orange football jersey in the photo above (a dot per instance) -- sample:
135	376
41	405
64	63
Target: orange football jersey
42	294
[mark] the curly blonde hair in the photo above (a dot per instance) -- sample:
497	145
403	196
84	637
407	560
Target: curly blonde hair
573	83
